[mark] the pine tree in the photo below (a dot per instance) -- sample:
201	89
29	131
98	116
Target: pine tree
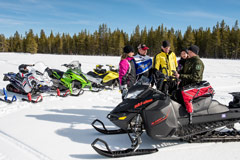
224	39
58	44
234	41
10	43
51	43
43	43
150	43
215	41
188	38
206	43
96	43
158	38
17	43
135	39
120	43
143	37
74	44
170	38
3	44
179	41
103	38
31	45
87	44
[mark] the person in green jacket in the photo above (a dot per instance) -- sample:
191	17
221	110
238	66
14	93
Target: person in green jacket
193	69
191	75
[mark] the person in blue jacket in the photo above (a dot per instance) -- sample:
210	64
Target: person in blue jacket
143	63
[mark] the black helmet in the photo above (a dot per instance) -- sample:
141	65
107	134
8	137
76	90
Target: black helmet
23	68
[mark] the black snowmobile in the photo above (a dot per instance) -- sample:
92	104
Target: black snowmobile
150	110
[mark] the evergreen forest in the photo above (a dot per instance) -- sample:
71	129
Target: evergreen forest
220	41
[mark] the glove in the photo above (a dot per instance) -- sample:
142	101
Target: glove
121	87
124	91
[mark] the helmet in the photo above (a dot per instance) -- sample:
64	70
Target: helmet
23	68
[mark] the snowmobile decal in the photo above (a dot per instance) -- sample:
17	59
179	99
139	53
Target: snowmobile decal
122	118
161	119
224	115
142	103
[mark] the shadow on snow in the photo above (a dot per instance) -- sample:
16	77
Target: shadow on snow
77	117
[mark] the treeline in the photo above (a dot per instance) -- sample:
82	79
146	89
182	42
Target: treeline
221	41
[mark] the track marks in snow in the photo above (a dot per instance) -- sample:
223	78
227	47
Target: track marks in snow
3	157
25	150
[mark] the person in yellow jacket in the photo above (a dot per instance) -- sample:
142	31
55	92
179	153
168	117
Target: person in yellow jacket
165	62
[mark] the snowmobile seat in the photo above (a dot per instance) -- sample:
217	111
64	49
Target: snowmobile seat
50	73
216	107
93	74
100	71
60	73
201	106
236	100
19	77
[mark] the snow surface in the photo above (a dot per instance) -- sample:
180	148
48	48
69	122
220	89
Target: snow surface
60	128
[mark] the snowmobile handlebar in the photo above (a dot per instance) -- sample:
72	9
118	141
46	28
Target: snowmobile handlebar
112	68
26	65
68	65
160	78
166	76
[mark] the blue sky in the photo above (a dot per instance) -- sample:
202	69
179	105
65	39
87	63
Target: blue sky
72	16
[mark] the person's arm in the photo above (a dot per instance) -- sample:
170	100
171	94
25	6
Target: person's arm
123	68
176	63
196	74
157	62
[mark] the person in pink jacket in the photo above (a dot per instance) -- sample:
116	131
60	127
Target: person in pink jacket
127	70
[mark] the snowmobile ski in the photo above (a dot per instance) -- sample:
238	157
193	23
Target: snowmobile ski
14	98
37	100
63	95
120	153
105	130
67	93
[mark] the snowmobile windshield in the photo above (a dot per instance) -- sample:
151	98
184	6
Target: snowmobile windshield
135	91
75	65
40	67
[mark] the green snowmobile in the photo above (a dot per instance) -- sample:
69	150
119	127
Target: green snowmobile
73	80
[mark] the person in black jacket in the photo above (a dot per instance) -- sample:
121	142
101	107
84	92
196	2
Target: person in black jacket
182	60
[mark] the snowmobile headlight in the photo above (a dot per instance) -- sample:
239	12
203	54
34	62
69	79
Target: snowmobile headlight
133	95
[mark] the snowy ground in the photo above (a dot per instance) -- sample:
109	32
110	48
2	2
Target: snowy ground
60	128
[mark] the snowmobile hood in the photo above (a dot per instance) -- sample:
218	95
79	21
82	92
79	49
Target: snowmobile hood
139	97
